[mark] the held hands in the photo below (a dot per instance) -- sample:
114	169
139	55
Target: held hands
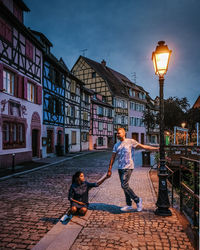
109	173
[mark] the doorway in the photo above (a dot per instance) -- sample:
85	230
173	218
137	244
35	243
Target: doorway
142	138
34	143
49	141
66	143
135	136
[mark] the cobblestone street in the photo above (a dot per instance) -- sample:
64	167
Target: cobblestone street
31	204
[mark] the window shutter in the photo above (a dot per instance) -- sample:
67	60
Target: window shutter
104	141
68	111
25	88
1	76
20	86
39	95
16	85
8	34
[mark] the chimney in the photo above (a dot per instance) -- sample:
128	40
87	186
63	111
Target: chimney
103	62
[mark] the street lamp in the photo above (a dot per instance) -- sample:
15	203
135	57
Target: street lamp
160	59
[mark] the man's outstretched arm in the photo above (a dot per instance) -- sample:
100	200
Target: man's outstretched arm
147	147
111	164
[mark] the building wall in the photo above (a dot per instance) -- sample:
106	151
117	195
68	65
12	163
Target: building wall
21	57
29	110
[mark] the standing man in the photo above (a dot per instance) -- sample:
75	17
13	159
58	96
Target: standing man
123	149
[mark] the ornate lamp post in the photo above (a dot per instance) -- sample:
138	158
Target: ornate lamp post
160	59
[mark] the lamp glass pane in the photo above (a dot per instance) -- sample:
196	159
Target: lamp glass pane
162	63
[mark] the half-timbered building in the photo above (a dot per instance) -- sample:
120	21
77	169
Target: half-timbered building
77	115
101	123
54	81
106	82
20	86
66	106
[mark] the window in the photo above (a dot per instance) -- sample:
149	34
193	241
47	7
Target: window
131	121
8	82
73	137
109	127
73	87
84	136
100	141
6	133
104	98
87	98
31	88
100	111
15	109
100	126
85	116
13	135
109	112
72	113
93	74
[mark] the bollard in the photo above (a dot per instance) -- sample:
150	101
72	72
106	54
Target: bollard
13	163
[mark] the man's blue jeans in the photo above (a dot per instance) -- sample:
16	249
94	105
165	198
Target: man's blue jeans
124	175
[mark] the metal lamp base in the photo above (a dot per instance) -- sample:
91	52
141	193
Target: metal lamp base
163	212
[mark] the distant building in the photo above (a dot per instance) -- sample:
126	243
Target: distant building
128	99
101	123
20	86
152	107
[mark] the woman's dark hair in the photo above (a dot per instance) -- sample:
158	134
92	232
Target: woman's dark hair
75	177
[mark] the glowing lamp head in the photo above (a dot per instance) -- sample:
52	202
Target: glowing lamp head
161	58
183	124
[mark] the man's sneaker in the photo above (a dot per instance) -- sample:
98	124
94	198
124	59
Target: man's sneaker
126	208
66	217
139	205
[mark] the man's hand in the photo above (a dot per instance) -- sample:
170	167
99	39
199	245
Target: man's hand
109	173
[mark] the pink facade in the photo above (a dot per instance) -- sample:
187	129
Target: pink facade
20	91
101	124
136	128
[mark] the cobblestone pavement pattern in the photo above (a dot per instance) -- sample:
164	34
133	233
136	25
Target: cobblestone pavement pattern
108	228
31	204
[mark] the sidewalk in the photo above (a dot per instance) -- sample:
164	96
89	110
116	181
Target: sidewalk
106	227
38	163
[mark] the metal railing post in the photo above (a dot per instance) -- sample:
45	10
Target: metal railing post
196	193
172	190
180	186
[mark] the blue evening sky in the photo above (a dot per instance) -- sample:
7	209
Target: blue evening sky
124	33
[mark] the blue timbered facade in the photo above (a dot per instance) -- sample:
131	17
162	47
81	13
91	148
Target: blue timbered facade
54	75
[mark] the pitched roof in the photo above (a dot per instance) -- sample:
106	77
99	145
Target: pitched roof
197	102
114	79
